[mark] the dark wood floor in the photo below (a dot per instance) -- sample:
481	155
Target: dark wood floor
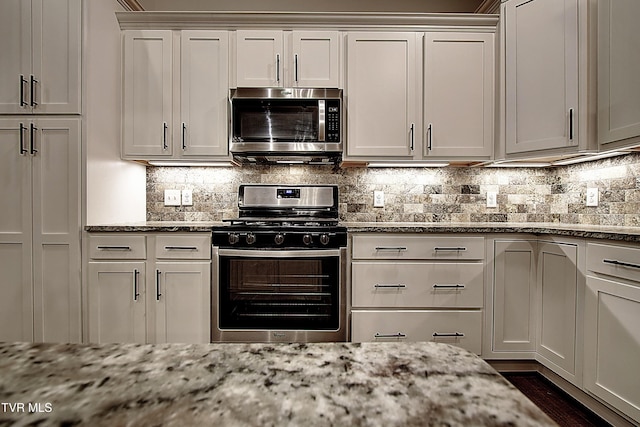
558	405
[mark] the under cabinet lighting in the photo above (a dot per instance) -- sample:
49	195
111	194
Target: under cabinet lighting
519	165
188	164
408	165
589	158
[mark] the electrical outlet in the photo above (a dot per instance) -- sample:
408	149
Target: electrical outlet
187	198
378	199
492	199
592	197
172	197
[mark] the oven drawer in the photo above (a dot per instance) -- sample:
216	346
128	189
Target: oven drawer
191	246
117	246
617	261
395	247
414	284
459	328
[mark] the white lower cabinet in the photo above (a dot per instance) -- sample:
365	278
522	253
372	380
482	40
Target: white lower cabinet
417	288
612	336
138	298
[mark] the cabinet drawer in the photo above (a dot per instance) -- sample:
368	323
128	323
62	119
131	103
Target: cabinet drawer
616	261
191	246
460	328
414	284
117	246
378	246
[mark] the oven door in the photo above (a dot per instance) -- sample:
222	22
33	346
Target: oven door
279	295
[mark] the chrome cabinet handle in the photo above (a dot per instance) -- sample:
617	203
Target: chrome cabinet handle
23	129
114	248
180	248
452	249
411	141
398	286
158	294
164	135
429	136
397	335
184	136
570	124
621	263
136	273
278	68
447	334
456	286
23	103
391	248
33	91
295	67
32	139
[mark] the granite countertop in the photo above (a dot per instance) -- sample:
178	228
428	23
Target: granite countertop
321	384
629	234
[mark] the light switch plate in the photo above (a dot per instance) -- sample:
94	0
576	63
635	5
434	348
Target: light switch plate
187	198
592	197
378	199
492	199
172	197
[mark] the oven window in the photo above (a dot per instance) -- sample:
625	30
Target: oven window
279	293
275	120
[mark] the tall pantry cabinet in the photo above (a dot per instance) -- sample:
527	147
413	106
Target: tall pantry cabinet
40	185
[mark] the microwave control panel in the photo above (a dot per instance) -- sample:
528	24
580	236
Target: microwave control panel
333	120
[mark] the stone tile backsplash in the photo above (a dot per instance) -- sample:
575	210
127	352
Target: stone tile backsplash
421	194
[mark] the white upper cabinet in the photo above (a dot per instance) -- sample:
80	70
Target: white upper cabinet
287	59
40	49
458	94
383	96
542	75
618	73
193	123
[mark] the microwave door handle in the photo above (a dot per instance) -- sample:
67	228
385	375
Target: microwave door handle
322	114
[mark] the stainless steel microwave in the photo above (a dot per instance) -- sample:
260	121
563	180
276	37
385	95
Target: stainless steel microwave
290	125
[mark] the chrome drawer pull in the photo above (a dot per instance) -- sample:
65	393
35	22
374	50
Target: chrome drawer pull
620	263
452	249
398	286
391	248
180	248
458	286
398	335
447	334
136	294
114	248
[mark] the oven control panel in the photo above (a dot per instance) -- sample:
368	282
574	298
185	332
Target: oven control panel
277	239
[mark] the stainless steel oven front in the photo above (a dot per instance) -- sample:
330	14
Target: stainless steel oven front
279	295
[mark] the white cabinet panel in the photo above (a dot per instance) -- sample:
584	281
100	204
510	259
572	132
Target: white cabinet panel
259	58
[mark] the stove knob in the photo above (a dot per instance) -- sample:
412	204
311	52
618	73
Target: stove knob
233	238
306	239
324	239
279	239
251	238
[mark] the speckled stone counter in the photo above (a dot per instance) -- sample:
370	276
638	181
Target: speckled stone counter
342	384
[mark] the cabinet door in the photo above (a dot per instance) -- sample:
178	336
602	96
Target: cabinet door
259	58
204	91
514	294
182	302
557	306
56	56
541	74
56	230
16	281
612	343
117	302
147	93
15	51
315	59
458	94
618	70
383	94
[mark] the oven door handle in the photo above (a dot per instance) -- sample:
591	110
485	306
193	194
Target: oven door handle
259	253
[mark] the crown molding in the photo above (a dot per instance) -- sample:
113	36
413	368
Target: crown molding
489	6
139	20
131	5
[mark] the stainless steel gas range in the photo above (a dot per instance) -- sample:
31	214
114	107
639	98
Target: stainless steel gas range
279	269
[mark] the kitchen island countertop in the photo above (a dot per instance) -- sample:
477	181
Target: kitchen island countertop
369	384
